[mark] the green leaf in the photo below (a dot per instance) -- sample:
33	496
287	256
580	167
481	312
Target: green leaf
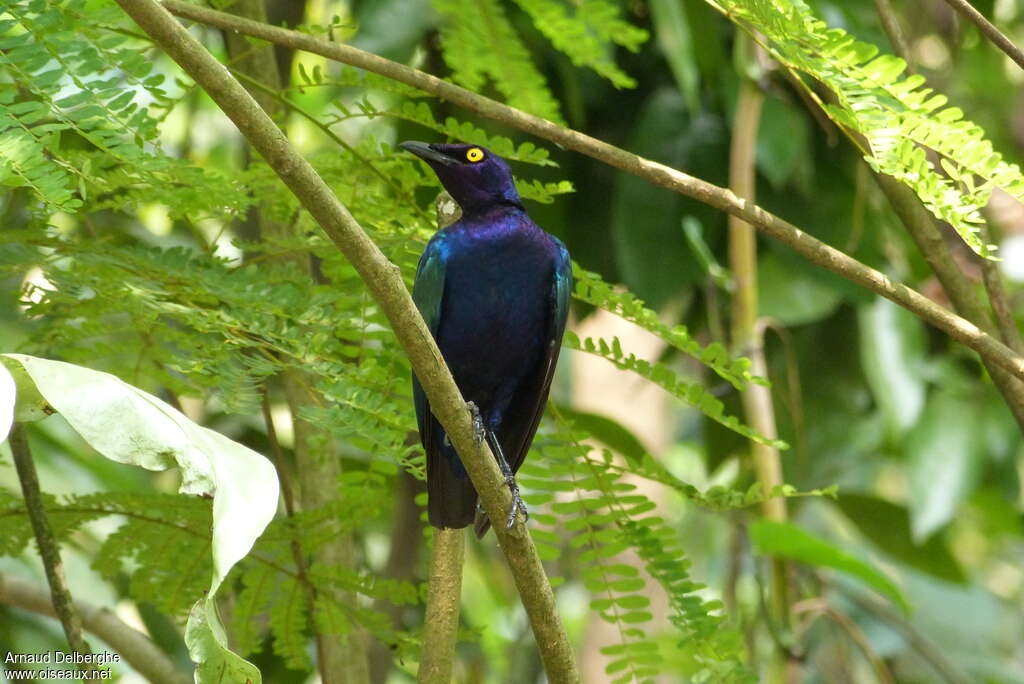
786	540
479	44
130	426
30	405
587	33
946	453
644	220
590	288
672	30
888	527
207	645
892	350
783	138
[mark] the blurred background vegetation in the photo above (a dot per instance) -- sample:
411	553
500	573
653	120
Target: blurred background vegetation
184	270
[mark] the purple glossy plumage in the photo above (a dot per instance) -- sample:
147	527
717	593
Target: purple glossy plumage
494	289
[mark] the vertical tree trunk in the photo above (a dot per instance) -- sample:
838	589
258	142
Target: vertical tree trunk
342	657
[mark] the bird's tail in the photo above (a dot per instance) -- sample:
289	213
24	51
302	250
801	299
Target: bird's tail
451	498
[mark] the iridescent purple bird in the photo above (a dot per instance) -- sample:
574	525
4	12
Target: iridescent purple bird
494	289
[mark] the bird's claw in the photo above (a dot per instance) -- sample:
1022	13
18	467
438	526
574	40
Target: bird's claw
517	503
479	430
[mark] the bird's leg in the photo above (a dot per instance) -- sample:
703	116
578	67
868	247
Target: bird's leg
510	479
479	430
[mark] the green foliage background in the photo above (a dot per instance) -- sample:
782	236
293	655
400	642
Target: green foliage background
139	237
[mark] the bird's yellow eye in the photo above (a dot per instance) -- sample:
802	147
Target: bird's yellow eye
474	154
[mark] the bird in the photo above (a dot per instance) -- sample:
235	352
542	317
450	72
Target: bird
493	288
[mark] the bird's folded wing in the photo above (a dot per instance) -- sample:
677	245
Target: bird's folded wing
521	424
428	294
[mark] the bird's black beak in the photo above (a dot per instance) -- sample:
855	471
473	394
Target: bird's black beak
427	153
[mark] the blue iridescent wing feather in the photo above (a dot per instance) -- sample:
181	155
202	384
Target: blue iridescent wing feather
451	499
520	425
534	394
428	294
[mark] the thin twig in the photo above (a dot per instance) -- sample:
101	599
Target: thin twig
757	399
437	661
134	647
891	26
931	653
821	607
384	281
49	552
658	174
989	29
993	280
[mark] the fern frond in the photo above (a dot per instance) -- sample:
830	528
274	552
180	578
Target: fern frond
398	592
479	44
289	621
544	193
16	528
899	118
590	288
618	592
110	78
694	394
587	32
164	545
716	498
715	648
606	517
260	587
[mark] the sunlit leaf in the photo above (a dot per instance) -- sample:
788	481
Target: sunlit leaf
892	350
945	452
130	426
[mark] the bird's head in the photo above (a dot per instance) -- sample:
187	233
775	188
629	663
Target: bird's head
472	175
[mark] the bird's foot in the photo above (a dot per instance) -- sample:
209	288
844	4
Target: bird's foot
479	429
517	502
510	479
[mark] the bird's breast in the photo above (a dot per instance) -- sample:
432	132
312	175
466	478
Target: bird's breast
496	309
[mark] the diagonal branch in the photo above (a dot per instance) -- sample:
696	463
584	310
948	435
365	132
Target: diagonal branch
989	29
811	248
384	281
